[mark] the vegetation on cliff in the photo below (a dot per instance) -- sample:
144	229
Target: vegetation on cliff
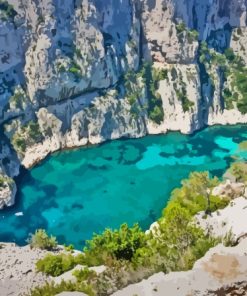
175	243
40	239
26	135
134	83
6	10
5	180
234	72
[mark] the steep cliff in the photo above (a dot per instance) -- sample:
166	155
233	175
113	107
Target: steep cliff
84	71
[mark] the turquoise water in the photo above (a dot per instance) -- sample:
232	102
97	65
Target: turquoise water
75	193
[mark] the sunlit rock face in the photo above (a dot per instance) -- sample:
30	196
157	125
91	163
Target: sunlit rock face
63	67
66	47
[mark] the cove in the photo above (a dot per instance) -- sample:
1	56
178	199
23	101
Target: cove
73	194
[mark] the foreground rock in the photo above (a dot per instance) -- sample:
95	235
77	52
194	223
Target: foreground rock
18	273
222	269
228	221
17	269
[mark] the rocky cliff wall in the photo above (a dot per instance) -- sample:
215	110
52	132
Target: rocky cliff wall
78	72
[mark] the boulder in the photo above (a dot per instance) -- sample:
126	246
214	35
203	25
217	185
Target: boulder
229	189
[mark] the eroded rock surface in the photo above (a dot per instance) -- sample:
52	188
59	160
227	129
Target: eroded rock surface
17	269
222	269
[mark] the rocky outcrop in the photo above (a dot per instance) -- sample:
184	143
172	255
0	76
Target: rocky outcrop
65	48
7	191
88	119
222	269
229	189
229	221
17	271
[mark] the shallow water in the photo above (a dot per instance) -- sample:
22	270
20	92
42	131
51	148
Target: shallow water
76	193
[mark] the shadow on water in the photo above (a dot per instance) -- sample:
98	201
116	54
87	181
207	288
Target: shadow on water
73	194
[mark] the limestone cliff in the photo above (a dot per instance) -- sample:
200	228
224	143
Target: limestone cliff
84	71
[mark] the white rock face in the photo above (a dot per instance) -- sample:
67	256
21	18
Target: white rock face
184	79
221	269
18	273
239	42
53	38
163	42
230	219
17	269
229	189
73	123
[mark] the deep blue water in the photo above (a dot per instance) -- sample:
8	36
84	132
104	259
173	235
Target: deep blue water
75	193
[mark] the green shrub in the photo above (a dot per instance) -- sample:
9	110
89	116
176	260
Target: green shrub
239	171
229	240
192	35
179	242
181	92
182	97
229	53
7	10
5	179
85	274
19	143
217	202
181	27
56	265
117	244
52	289
41	240
61	69
155	105
133	91
159	74
69	248
157	114
194	195
27	135
151	77
75	70
40	20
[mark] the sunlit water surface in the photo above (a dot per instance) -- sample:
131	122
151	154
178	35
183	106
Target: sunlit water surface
76	193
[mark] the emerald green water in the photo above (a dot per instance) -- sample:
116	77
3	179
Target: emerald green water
75	193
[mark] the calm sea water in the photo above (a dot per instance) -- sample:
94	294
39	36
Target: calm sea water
76	193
